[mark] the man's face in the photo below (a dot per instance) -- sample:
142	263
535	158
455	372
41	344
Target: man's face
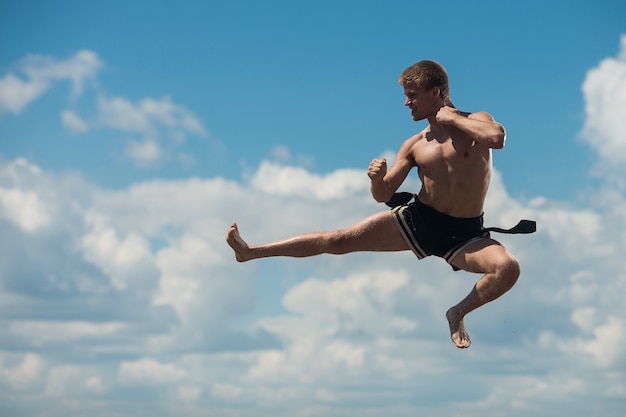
419	101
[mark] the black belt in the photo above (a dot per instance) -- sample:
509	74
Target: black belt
523	227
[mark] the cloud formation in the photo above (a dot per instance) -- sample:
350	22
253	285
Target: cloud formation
128	302
40	72
73	122
160	125
605	105
146	116
166	302
157	127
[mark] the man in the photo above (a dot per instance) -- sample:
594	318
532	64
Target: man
453	159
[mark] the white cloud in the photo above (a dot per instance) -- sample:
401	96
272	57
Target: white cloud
160	126
73	122
15	94
68	380
155	121
118	113
286	180
226	391
188	393
282	155
349	326
149	371
525	395
145	154
24	374
24	208
364	300
350	323
125	260
40	332
605	105
41	71
142	286
147	116
82	66
607	343
171	115
183	266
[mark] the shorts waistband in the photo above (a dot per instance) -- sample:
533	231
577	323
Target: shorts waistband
447	222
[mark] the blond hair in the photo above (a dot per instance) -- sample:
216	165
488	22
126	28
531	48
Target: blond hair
426	75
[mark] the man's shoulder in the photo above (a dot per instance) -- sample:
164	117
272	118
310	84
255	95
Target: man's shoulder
409	147
413	142
479	115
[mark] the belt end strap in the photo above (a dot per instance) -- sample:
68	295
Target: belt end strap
400	199
523	227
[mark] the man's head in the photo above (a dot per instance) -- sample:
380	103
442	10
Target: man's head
426	75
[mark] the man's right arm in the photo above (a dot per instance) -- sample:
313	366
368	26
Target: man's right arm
385	183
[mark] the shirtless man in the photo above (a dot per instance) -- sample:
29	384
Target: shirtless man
453	159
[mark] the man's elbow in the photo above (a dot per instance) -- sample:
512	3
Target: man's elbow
381	196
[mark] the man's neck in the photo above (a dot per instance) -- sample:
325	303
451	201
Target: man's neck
432	119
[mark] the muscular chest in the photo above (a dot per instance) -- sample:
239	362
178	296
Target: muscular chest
443	155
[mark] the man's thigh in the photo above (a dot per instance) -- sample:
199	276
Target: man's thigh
482	257
377	232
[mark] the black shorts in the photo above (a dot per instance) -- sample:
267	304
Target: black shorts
429	232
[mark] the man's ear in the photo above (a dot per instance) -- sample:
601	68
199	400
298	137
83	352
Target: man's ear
436	92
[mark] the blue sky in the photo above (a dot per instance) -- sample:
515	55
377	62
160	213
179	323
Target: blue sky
131	135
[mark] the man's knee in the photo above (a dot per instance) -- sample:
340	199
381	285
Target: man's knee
508	269
335	242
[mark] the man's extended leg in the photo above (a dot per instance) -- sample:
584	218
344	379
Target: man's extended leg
501	270
375	233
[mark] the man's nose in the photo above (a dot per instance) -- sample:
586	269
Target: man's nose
407	102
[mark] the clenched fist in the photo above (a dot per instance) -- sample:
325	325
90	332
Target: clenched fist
446	114
377	169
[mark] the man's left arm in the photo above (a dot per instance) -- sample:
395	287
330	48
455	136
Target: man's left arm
480	126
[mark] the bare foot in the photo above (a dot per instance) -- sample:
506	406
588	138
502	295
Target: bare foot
237	243
459	335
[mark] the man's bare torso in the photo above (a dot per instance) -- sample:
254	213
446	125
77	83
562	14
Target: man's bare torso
455	171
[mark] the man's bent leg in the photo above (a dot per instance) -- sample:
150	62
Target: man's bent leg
375	233
501	270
